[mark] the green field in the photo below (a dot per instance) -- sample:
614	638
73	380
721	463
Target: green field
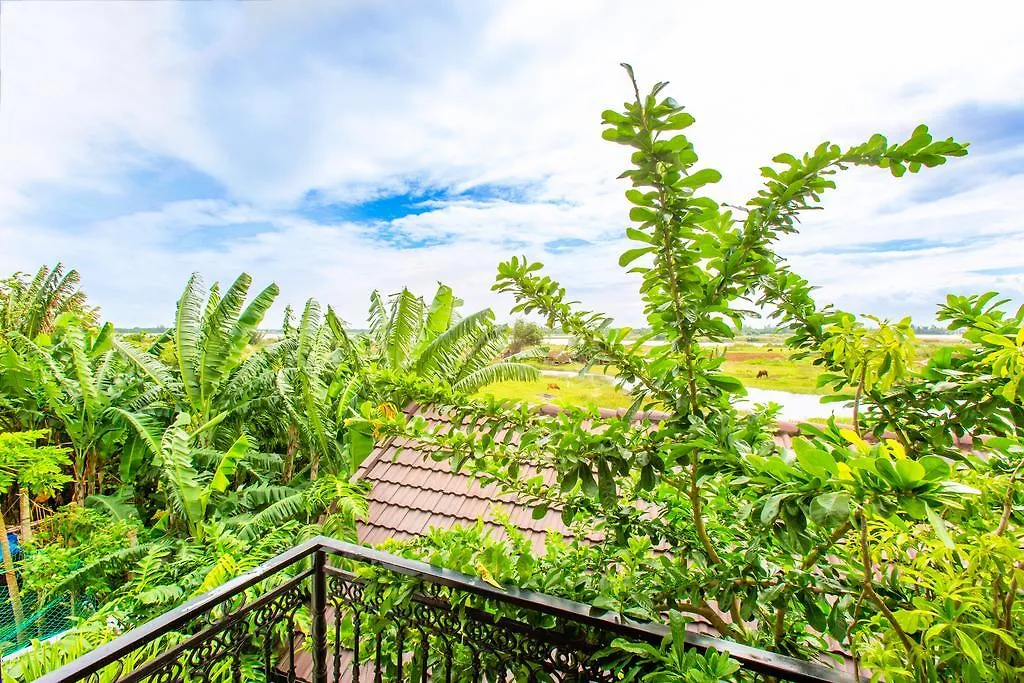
742	360
784	374
576	391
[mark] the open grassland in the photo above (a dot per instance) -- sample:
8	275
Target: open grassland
784	374
575	391
743	360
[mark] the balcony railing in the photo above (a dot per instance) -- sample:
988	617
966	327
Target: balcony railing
332	611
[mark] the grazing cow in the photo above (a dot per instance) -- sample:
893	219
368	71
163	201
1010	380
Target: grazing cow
553	386
762	373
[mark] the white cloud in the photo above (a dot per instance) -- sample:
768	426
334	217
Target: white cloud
359	99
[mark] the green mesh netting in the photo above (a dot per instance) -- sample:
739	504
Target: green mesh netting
41	621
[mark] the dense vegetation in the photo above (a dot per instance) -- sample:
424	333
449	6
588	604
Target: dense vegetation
191	455
884	535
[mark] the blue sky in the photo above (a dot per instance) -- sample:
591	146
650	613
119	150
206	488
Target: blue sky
339	147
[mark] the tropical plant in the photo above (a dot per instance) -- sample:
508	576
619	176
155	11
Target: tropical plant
318	392
82	379
31	307
211	379
433	342
35	469
887	537
80	549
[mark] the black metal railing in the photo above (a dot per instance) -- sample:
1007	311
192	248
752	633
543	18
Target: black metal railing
332	611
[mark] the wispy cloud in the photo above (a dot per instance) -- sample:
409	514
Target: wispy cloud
335	148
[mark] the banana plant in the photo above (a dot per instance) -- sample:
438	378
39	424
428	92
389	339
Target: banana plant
433	341
81	379
188	492
211	379
31	307
305	389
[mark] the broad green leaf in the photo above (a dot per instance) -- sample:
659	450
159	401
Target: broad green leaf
115	506
229	464
814	461
587	481
912	621
935	468
771	507
633	254
705	176
831	508
940	527
361	443
970	648
910	472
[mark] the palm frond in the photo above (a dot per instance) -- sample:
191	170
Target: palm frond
161	595
499	372
224	569
217	331
404	324
352	350
265	462
292	507
228	464
259	496
443	355
145	427
114	506
212	300
256	373
179	474
150	366
26	347
441	313
80	363
187	330
145	399
247	323
309	326
378	319
528	354
484	351
160	342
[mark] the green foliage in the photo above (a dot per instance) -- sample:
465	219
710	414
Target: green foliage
524	335
886	537
434	342
165	435
675	660
30	307
38	468
81	550
200	453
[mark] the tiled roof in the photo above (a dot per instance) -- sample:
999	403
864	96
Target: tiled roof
413	493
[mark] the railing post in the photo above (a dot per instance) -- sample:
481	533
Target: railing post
319	614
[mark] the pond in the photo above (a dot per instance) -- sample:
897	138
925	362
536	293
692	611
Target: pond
795	407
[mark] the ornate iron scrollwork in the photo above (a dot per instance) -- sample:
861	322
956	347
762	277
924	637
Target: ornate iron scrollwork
401	621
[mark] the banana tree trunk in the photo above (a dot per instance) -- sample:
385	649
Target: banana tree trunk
78	490
293	446
25	505
90	473
12	585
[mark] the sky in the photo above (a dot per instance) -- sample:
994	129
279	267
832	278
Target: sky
340	147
